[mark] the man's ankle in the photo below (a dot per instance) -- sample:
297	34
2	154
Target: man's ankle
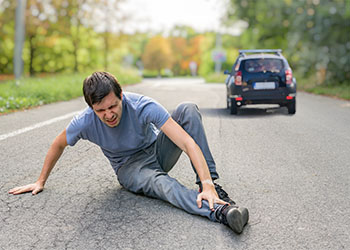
233	216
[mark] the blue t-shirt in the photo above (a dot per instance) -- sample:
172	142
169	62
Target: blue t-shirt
138	128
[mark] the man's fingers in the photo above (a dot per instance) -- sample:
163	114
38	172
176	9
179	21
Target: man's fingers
37	190
221	202
199	201
211	199
211	204
20	190
15	190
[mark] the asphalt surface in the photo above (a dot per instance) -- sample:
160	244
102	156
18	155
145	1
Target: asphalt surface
291	171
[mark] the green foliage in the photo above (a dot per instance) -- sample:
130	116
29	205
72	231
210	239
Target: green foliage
157	54
207	64
312	33
60	38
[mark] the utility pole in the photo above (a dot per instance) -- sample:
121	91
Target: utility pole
19	39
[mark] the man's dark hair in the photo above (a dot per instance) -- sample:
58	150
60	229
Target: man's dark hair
99	85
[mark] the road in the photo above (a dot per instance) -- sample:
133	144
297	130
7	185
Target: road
292	172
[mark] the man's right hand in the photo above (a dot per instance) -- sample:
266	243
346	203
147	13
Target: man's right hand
35	188
51	158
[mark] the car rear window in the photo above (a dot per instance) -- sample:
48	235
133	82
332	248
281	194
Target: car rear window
263	65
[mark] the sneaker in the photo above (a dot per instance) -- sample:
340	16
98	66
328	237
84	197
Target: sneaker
223	195
233	216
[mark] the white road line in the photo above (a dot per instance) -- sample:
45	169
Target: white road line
38	125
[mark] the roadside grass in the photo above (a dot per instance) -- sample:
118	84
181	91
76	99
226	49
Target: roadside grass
308	85
36	91
339	91
215	78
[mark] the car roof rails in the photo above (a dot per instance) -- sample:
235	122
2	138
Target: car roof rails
243	52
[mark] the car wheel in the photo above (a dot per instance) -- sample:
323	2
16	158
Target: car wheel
233	108
291	107
227	103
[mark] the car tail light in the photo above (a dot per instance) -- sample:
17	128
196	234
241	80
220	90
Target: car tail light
289	76
239	99
238	78
289	97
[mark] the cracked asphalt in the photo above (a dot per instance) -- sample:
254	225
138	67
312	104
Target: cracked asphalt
292	172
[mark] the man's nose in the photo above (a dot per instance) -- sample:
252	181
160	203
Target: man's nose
108	114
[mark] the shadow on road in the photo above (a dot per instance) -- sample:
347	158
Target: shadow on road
246	112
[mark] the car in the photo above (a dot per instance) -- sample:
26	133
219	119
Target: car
261	76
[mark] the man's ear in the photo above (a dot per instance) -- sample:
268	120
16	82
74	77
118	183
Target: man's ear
121	95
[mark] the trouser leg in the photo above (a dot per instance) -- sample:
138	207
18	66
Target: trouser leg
143	174
188	117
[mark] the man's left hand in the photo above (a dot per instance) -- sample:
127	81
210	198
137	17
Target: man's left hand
211	196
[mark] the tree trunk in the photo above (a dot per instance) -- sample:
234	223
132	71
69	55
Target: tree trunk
105	37
31	55
76	47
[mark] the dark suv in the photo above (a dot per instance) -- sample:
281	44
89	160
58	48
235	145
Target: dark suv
260	77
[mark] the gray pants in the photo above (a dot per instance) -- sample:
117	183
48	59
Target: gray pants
146	171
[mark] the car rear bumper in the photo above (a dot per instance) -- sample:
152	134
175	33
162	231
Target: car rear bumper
276	96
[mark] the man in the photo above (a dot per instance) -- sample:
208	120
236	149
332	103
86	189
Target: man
126	127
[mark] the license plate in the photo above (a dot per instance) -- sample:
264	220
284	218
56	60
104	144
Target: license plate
264	85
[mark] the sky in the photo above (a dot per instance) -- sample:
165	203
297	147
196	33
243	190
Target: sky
158	15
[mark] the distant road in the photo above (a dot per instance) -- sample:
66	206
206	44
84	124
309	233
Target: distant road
292	172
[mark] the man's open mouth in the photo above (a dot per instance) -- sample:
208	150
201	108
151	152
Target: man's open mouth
112	121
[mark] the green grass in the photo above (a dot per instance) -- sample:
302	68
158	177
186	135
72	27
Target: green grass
36	91
215	78
340	91
333	90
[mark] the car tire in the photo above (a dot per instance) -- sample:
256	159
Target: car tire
291	107
227	103
233	108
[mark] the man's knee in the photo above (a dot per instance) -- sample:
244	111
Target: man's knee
140	181
186	109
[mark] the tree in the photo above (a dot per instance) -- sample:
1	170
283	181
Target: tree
7	27
109	20
37	24
158	54
179	48
313	34
69	23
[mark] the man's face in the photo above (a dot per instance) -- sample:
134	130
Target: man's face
109	110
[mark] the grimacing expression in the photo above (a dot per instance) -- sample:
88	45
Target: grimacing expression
110	109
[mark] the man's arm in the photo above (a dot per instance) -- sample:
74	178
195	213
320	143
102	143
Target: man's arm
51	158
186	143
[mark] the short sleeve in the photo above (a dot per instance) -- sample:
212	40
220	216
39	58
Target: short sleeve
155	113
75	128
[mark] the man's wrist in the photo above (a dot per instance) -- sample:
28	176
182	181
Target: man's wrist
41	182
207	181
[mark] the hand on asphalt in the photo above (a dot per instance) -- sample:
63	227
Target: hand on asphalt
34	188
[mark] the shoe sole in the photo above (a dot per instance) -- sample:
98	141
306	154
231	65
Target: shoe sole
237	219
